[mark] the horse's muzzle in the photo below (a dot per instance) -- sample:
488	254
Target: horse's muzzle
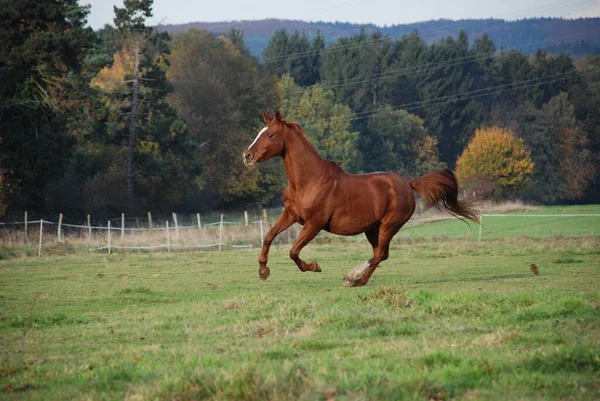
249	159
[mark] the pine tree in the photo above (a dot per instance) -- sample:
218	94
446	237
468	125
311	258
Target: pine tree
43	45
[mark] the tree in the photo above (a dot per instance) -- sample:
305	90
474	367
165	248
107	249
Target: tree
399	142
294	54
451	119
130	23
575	164
133	153
357	69
497	154
565	164
2	205
43	45
326	123
219	91
2	190
585	96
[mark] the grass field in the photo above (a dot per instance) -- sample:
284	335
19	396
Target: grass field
441	319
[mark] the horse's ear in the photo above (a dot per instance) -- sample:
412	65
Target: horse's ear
278	117
266	117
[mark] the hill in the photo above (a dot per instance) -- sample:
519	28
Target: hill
576	36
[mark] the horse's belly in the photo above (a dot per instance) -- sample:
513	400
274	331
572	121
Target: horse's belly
351	224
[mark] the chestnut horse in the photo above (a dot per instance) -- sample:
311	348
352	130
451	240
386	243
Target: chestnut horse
322	196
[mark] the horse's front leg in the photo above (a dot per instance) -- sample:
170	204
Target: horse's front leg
309	231
284	221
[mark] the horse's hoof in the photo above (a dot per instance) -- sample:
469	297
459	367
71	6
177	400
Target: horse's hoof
348	282
264	274
314	267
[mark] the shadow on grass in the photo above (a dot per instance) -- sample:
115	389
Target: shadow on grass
475	279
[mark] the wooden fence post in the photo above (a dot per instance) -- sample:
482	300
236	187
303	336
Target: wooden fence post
199	223
168	238
60	217
122	226
176	225
480	226
40	245
109	237
246	217
26	236
265	216
260	222
221	232
89	221
150	221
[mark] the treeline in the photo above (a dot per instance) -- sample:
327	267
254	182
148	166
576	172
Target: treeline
575	36
415	106
129	119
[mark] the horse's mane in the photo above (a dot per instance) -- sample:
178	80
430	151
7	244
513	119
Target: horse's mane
293	124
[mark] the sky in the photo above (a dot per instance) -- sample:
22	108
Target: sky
379	12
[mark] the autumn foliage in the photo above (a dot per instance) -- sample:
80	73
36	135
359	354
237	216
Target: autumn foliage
497	155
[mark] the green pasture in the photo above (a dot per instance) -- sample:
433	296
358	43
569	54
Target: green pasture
442	319
543	222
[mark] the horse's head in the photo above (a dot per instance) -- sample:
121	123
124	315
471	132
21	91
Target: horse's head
269	141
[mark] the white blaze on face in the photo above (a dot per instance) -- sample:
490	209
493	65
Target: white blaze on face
258	136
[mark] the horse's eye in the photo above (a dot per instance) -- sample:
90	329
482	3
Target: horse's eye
271	135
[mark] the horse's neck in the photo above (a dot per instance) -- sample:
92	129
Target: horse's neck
302	162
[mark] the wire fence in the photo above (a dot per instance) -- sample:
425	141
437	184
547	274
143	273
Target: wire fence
240	232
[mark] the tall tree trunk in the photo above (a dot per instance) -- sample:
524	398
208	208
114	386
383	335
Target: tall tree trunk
133	126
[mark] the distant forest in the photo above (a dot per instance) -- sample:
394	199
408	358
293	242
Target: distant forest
131	119
557	35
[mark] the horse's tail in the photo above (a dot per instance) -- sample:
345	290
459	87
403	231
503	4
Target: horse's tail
440	189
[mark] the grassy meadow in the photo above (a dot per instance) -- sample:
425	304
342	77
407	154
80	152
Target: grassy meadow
442	319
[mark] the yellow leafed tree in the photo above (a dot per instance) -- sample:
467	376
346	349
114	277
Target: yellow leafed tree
111	78
497	155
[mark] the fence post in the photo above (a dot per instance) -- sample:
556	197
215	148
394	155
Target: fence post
176	225
60	217
109	237
260	222
26	226
221	232
150	221
122	226
89	221
199	224
265	216
480	226
168	238
246	217
40	245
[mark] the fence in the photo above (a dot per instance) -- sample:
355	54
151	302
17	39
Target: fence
120	237
244	233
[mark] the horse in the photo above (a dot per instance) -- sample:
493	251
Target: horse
320	195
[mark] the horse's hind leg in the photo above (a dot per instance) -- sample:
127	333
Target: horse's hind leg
381	247
373	237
